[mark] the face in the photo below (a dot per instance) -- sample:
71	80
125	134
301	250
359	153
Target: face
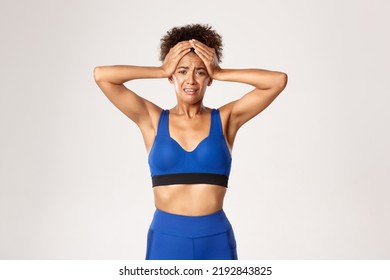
190	79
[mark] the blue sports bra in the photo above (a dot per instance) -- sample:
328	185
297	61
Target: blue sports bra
208	163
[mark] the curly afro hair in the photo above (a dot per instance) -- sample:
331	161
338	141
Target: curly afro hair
201	32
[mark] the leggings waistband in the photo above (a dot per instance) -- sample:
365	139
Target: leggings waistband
190	226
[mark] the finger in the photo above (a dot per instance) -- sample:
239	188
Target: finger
179	50
202	55
183	52
182	45
205	55
200	45
203	50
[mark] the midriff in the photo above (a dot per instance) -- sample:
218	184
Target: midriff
189	200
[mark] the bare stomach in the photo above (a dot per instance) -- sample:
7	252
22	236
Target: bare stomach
189	200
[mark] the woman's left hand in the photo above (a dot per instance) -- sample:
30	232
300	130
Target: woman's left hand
208	57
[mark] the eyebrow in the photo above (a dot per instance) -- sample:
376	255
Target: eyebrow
186	68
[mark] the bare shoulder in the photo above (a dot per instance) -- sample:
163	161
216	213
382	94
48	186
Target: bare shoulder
229	125
154	115
225	112
149	126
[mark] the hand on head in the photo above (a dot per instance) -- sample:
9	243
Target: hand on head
173	57
177	52
207	55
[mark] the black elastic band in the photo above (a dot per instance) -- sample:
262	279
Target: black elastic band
190	178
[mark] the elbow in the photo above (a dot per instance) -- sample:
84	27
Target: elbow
281	81
97	74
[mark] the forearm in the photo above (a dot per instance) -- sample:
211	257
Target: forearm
119	74
259	78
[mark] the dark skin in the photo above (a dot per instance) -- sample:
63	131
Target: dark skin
191	72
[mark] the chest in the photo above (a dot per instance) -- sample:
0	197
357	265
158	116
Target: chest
189	133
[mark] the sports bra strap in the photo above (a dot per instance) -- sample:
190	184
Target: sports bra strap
163	124
216	125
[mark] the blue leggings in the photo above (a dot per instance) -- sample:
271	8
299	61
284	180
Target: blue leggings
178	237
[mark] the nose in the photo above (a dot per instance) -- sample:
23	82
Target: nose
191	78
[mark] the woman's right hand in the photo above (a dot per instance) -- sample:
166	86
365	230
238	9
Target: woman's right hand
173	57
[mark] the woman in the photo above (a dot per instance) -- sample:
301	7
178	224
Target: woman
190	144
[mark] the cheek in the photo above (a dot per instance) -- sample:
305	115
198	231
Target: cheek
176	84
176	80
205	82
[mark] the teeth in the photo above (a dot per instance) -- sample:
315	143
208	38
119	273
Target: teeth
189	90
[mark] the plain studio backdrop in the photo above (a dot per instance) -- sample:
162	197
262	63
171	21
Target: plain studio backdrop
310	174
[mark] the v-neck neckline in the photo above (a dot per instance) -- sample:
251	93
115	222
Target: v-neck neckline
196	147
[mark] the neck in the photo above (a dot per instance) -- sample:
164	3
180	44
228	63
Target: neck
189	110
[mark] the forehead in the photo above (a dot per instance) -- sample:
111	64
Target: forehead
191	59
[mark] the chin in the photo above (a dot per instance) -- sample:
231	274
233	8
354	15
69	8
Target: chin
193	99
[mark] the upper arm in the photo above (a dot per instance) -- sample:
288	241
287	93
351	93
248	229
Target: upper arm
255	101
128	102
238	112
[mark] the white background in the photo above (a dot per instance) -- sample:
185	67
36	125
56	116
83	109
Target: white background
310	174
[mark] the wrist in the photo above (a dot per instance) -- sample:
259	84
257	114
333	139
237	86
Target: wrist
162	72
165	72
217	74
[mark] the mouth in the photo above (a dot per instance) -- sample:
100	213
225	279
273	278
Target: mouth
190	91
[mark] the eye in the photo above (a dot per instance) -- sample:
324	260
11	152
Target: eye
182	72
201	73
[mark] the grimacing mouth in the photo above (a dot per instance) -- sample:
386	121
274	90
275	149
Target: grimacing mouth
191	90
